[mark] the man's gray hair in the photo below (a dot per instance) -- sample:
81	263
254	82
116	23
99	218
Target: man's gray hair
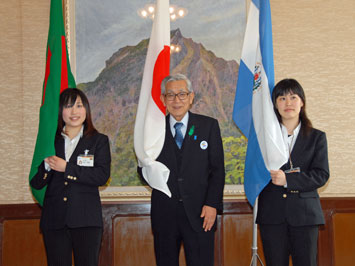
175	77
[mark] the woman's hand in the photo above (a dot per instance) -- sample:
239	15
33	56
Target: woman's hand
56	163
278	177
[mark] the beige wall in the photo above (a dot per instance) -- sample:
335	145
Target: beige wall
24	31
314	42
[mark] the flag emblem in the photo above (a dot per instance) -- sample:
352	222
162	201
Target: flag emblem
257	77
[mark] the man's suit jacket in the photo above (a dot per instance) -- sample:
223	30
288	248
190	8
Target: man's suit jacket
72	198
200	179
299	203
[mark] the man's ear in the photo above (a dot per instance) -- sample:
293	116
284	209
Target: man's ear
191	97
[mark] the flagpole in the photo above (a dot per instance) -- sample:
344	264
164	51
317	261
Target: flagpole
255	257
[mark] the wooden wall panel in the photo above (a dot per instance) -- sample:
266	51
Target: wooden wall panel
238	240
331	207
128	241
133	242
132	236
22	243
344	238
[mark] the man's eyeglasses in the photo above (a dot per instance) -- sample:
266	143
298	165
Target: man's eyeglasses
181	95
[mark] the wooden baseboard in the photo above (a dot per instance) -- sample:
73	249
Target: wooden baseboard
127	238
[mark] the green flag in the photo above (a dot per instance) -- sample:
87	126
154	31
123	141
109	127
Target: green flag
57	78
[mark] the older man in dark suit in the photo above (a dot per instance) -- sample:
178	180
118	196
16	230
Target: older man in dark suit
193	152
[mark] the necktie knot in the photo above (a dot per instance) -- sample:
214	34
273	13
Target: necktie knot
178	125
179	138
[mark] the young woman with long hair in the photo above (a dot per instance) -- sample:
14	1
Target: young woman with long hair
289	210
71	220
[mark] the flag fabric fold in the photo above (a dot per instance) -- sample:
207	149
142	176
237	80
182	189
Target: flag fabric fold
57	78
149	129
253	109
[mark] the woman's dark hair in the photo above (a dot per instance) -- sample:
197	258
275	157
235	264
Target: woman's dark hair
68	97
292	86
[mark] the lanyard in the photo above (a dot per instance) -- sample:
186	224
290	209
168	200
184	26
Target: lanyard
289	150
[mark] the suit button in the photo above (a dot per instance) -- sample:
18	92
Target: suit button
65	199
74	177
66	183
284	195
45	176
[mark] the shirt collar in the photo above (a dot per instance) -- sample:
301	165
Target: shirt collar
290	140
80	134
184	120
295	131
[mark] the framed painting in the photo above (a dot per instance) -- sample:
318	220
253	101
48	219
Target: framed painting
107	43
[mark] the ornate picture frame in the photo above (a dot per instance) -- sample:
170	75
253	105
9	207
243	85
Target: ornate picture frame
123	193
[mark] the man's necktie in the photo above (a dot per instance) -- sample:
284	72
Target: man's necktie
179	138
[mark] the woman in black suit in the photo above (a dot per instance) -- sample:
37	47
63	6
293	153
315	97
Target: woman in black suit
71	218
289	210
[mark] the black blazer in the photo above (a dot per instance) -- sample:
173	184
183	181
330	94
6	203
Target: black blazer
72	198
200	180
299	203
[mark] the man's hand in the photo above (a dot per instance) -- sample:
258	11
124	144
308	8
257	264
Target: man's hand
209	213
56	163
278	177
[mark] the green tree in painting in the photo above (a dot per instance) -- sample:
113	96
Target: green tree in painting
234	152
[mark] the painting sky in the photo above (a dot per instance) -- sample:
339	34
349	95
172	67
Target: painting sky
105	26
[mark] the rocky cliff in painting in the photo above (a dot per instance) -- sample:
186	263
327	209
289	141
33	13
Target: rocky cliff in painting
115	92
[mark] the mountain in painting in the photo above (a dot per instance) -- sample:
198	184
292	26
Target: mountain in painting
115	92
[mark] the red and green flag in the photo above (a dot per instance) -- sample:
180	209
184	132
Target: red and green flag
57	78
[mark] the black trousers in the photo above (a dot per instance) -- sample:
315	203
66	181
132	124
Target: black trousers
282	240
198	246
83	242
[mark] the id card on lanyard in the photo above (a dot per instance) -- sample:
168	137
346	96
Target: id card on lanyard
292	169
85	159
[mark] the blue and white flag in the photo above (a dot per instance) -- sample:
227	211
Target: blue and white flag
253	109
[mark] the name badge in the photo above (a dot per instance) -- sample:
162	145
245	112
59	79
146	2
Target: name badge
293	170
85	160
